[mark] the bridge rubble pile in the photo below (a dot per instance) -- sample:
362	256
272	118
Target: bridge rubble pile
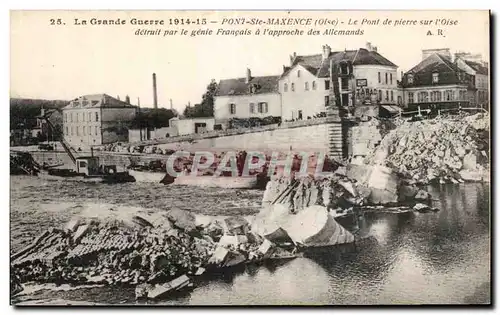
444	150
22	163
348	187
164	251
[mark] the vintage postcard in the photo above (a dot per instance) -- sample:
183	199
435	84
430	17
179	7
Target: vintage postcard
250	158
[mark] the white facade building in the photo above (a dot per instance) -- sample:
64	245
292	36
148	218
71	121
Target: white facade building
96	119
246	98
342	78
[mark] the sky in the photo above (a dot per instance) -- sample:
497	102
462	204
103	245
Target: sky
64	62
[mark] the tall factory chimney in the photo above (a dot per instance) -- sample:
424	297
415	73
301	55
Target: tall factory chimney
155	94
171	105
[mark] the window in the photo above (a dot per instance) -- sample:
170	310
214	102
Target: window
285	87
252	108
327	84
83	164
314	85
390	76
327	100
435	77
66	117
306	86
96	116
292	87
344	84
89	116
300	114
232	109
344	69
379	78
410	79
463	95
262	107
84	131
386	95
95	130
298	73
449	95
410	97
379	95
436	96
71	117
392	96
67	131
77	117
72	130
423	97
386	78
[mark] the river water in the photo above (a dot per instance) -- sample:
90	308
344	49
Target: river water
433	258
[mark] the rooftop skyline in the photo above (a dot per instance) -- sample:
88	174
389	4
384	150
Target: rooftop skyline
53	62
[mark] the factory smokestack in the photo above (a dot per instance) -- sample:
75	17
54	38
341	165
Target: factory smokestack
155	94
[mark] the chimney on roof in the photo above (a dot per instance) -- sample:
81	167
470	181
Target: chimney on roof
371	47
401	75
155	94
118	97
292	58
249	76
127	99
326	51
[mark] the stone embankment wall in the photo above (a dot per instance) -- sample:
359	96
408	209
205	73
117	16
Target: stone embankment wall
314	135
309	138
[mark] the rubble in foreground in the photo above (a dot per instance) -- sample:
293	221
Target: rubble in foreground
162	253
443	150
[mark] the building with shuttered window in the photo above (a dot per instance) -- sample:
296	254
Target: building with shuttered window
248	97
96	119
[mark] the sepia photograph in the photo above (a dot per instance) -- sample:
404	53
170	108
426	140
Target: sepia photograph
250	158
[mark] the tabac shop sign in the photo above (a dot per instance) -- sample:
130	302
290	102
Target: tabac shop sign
361	82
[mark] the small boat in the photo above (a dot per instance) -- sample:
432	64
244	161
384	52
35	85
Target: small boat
72	176
147	176
210	181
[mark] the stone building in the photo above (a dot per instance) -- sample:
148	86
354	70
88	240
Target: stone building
55	118
349	78
246	98
473	65
96	119
437	81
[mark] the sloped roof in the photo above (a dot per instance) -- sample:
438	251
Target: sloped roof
238	86
97	101
449	73
479	68
320	68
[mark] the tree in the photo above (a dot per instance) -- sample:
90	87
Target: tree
206	107
153	118
24	111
